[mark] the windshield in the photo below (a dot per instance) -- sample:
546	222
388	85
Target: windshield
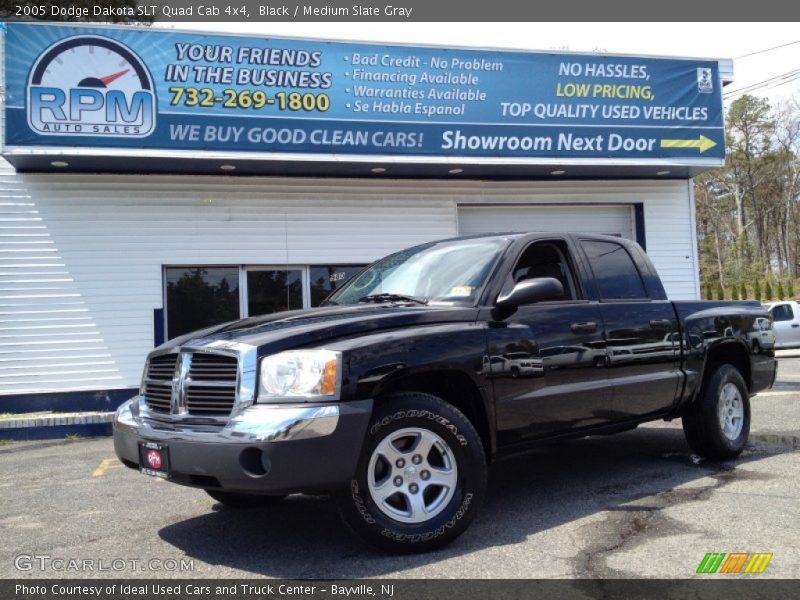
453	271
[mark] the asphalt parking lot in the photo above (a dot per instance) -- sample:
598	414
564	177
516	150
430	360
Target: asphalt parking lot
633	505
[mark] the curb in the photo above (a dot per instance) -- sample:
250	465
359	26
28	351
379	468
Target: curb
56	425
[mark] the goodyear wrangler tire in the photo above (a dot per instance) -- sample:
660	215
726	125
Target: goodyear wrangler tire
421	477
717	424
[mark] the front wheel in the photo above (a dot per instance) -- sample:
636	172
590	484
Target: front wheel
234	500
421	476
717	425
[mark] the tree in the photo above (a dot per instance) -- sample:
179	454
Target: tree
781	295
743	291
768	291
757	290
720	291
790	288
734	292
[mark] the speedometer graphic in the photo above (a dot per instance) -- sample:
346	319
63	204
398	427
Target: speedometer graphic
90	85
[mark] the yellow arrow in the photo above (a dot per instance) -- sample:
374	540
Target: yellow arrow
702	143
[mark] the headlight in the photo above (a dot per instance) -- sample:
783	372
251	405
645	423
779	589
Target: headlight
301	375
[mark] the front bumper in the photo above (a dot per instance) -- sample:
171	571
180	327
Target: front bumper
266	448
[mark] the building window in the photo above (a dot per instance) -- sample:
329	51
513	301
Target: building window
199	297
274	290
326	279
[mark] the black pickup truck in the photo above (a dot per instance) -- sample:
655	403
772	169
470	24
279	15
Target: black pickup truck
432	362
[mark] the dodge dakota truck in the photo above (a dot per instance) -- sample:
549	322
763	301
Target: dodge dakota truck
395	394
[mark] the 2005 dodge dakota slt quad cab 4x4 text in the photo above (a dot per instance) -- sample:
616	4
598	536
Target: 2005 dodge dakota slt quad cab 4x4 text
396	393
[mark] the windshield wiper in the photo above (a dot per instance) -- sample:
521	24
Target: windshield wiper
378	298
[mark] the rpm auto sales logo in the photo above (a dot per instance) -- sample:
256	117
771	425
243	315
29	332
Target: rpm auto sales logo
91	85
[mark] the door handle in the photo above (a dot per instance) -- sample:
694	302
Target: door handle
587	327
795	324
661	324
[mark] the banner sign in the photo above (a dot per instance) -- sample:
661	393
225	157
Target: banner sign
131	87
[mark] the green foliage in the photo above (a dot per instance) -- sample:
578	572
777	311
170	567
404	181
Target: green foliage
781	295
734	292
790	288
757	290
720	291
743	291
768	295
708	294
747	213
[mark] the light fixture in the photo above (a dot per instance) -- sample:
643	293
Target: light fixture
557	172
59	163
378	170
227	167
663	172
455	171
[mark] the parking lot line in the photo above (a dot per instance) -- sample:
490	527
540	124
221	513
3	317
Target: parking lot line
105	464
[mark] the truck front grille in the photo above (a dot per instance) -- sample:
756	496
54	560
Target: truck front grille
207	383
211	385
158	382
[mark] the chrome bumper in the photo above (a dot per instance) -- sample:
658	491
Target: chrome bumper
272	449
256	423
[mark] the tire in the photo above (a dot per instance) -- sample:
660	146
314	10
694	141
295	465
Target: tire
234	500
515	372
756	347
710	434
433	514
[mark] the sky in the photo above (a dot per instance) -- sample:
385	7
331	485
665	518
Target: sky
699	40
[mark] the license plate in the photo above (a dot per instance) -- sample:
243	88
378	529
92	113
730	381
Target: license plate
154	459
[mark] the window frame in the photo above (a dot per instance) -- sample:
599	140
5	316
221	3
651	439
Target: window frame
165	304
788	308
243	270
647	296
565	249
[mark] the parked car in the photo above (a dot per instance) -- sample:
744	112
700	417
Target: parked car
382	395
786	323
523	364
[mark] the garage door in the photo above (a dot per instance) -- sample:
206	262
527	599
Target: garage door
610	220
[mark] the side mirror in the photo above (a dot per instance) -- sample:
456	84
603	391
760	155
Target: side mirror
529	291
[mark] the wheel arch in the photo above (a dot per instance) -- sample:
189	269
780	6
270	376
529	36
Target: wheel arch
730	351
454	387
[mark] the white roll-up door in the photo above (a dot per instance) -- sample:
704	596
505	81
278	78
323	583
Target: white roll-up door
605	219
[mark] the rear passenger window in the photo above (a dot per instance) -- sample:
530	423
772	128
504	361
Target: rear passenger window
782	312
614	270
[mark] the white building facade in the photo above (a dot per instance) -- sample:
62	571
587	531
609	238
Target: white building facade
97	268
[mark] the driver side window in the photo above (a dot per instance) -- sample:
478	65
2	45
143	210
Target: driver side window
547	259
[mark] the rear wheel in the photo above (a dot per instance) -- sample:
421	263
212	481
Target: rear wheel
234	500
421	476
718	424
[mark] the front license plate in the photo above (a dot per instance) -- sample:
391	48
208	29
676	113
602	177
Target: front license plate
154	459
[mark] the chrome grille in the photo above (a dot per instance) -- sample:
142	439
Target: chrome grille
158	382
207	383
162	367
158	396
211	384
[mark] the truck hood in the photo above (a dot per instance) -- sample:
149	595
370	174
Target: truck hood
308	327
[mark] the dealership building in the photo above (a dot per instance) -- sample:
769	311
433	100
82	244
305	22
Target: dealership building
154	182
